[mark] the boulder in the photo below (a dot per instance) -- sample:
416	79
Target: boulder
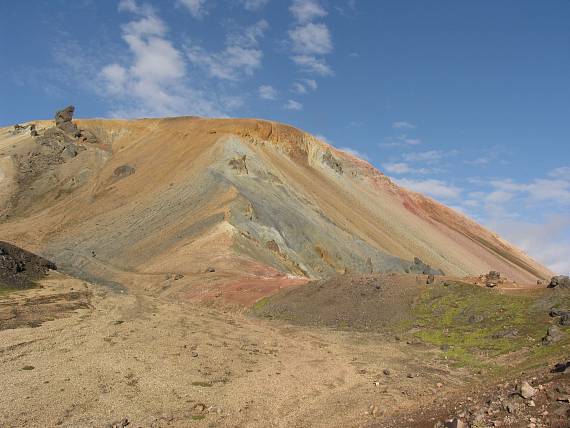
555	312
526	391
560	281
63	120
124	171
553	335
430	279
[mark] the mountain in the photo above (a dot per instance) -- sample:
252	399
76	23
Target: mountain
233	208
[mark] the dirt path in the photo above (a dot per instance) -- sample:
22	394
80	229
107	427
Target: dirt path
160	363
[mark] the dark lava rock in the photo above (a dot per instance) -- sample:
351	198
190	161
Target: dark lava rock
555	312
20	268
124	171
565	320
560	281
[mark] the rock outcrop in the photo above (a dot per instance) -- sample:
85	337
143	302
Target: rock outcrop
20	268
63	120
559	281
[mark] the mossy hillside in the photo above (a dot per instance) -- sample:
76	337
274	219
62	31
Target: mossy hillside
475	326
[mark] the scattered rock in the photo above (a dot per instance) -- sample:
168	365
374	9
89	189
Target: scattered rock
430	279
239	164
554	312
562	367
560	281
124	171
492	279
210	269
387	372
332	162
420	267
553	335
526	391
565	320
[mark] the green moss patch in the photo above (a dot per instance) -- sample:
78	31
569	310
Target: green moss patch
476	326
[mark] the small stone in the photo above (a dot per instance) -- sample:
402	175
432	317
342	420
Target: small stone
387	372
194	354
454	423
439	385
527	391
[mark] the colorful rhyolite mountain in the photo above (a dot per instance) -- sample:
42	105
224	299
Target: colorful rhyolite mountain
232	208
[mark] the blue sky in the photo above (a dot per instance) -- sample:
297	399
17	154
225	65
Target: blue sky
467	101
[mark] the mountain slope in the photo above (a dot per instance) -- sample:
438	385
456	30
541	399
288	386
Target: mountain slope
260	205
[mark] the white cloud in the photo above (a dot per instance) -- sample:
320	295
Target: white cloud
538	190
311	39
253	5
403	125
548	242
312	64
397	168
293	105
307	10
151	81
267	92
241	56
195	7
435	188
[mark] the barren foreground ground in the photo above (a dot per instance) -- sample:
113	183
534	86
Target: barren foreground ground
113	357
160	363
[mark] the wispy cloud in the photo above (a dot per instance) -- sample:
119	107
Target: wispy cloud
430	156
403	125
293	105
197	8
267	92
253	5
303	86
310	40
396	167
241	56
400	141
312	64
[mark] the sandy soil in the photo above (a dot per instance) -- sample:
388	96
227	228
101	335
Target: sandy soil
161	363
